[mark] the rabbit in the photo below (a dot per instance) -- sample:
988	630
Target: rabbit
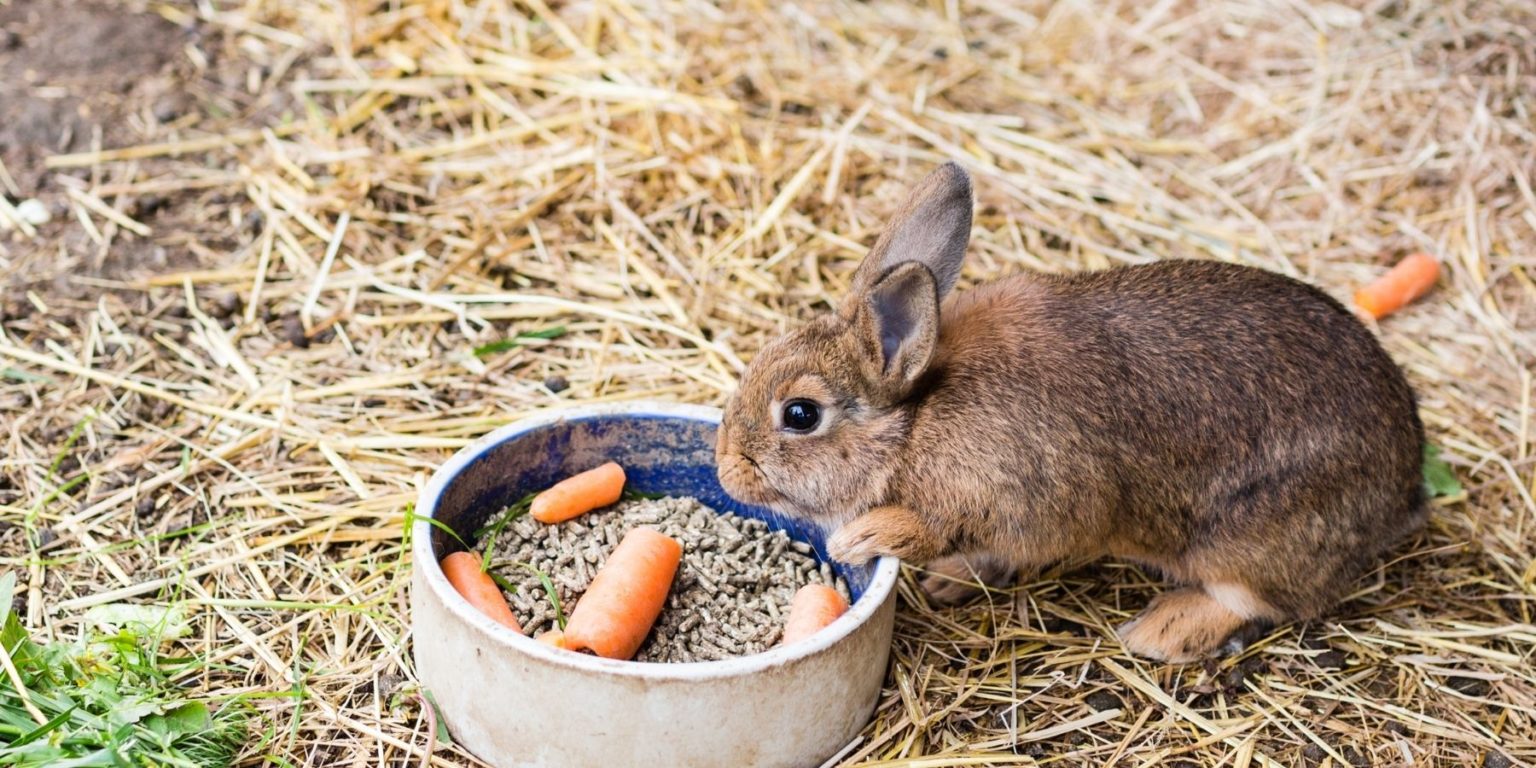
1236	430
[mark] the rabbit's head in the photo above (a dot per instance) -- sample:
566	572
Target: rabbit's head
822	412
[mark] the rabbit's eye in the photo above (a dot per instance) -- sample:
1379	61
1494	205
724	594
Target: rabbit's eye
801	415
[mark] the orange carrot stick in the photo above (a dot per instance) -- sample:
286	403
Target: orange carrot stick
463	572
579	494
552	637
1410	279
625	597
814	607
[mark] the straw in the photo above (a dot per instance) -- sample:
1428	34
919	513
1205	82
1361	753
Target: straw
269	367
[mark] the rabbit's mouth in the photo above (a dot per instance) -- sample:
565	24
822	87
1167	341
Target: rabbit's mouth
744	481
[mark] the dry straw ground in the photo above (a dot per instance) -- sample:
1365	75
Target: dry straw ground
267	360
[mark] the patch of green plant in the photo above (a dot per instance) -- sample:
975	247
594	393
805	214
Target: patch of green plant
502	345
108	699
1439	478
16	374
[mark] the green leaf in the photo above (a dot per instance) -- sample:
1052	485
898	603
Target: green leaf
150	621
502	345
410	522
486	536
13	635
443	737
189	718
549	589
44	729
496	347
16	374
1439	478
501	581
552	332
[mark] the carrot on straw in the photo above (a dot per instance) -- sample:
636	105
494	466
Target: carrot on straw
463	572
814	607
579	494
625	597
1410	279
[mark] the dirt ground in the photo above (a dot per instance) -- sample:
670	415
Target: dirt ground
282	233
77	75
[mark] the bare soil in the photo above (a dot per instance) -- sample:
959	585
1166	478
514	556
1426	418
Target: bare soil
73	73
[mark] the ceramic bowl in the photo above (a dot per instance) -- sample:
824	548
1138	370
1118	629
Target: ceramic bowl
516	702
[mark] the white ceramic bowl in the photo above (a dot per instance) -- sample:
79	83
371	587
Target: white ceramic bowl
516	702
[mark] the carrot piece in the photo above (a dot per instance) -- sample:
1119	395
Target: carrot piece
579	494
1410	279
814	607
552	637
463	572
625	597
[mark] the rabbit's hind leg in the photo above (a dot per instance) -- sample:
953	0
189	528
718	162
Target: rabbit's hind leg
1191	623
956	578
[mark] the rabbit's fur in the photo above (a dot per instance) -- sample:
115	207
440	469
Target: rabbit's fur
1237	430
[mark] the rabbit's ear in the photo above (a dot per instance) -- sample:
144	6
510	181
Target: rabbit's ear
931	228
897	322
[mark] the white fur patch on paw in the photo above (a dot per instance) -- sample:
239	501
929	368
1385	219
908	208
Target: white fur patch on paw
1239	600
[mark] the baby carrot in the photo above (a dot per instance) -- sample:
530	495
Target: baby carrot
1410	279
552	637
814	607
625	597
463	572
579	494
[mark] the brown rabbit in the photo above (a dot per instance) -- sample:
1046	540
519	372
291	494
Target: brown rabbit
1237	430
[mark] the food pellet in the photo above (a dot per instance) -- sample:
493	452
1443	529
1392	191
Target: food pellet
729	597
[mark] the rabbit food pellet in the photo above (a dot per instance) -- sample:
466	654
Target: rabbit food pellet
731	594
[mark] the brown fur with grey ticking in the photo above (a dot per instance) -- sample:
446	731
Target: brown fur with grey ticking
1237	430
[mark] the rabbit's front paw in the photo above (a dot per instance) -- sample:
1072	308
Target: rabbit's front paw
882	531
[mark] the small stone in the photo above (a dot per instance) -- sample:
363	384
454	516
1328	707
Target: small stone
1102	700
1496	760
147	206
145	507
1469	686
1313	754
171	106
1331	660
226	305
1233	679
34	212
556	384
293	331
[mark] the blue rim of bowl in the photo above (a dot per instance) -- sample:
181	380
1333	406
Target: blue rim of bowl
425	558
